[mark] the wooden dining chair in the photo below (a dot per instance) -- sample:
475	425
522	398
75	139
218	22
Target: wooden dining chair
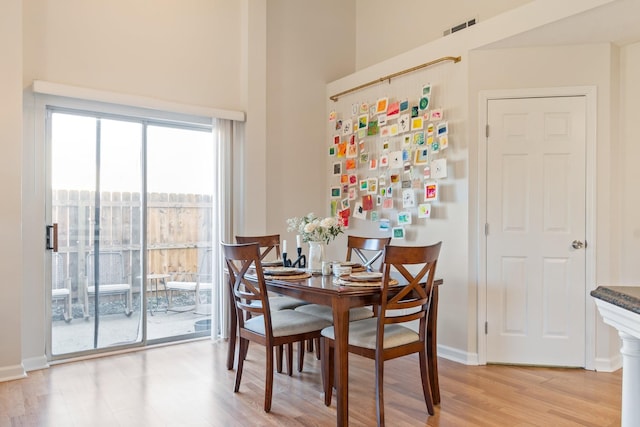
257	322
367	249
388	336
270	244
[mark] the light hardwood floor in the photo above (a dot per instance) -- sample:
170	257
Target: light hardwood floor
188	385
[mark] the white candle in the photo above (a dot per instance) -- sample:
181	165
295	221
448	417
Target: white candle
298	241
284	246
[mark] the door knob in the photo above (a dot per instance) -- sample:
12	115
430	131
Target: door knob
577	244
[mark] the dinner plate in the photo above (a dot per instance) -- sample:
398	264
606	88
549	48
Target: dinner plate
275	263
366	276
350	264
282	271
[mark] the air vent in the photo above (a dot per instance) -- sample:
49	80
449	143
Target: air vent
459	27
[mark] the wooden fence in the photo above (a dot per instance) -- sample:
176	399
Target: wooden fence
178	232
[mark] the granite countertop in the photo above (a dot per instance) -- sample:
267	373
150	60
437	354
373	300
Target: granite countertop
627	297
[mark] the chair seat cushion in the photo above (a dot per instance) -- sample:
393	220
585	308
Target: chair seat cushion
287	322
363	334
325	312
60	293
188	286
281	302
111	288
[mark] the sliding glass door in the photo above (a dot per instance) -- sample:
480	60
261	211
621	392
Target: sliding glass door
132	202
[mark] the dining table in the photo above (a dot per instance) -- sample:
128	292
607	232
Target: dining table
322	289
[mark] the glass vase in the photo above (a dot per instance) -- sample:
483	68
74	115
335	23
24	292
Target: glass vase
316	256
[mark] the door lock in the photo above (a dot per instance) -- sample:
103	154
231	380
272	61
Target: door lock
577	244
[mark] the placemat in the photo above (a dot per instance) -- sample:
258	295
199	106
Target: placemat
289	277
344	282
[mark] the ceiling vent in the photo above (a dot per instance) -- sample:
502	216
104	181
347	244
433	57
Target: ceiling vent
459	27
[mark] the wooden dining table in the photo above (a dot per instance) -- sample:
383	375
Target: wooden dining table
319	289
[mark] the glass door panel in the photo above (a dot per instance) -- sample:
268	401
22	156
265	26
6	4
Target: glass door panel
96	200
181	163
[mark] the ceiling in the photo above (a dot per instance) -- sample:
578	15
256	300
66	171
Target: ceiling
617	22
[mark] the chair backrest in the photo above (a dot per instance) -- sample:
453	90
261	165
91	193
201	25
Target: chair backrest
249	296
266	243
417	266
111	268
368	249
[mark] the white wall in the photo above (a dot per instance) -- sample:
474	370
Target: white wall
10	175
587	65
302	57
385	29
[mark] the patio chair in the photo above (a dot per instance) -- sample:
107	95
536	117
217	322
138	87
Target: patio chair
195	283
61	286
391	335
111	280
263	326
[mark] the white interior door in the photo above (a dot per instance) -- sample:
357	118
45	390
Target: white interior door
536	149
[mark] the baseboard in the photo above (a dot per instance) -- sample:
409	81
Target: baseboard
456	355
610	364
35	363
9	373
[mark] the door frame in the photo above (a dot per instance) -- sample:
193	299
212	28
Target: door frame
590	94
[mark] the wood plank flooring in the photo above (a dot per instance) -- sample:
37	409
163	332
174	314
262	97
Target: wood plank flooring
188	385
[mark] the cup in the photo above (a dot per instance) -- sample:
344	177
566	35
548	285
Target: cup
341	270
326	268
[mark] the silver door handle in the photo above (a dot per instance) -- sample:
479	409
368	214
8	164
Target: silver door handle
577	244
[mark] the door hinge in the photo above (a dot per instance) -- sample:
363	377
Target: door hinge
486	131
486	328
486	228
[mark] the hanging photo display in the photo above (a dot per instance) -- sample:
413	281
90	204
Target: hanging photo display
394	153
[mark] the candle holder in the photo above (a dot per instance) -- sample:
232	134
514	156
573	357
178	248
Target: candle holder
301	262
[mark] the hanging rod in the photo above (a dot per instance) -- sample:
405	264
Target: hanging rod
399	73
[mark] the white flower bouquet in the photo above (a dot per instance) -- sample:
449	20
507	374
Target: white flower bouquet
314	229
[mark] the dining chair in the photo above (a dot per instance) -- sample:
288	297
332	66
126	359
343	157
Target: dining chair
257	322
111	279
270	244
368	250
389	336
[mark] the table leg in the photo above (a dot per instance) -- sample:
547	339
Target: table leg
341	355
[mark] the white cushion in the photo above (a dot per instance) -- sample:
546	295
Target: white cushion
281	302
188	286
60	293
363	334
326	312
106	289
287	322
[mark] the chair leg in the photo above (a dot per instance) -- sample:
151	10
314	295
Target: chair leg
317	348
268	381
279	359
68	315
243	347
426	384
290	359
327	369
300	355
129	298
379	390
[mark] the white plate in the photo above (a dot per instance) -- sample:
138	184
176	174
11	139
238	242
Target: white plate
275	263
366	276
